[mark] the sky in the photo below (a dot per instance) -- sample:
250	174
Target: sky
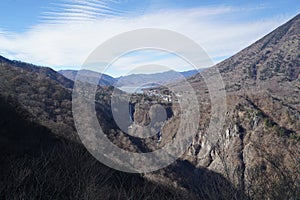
61	34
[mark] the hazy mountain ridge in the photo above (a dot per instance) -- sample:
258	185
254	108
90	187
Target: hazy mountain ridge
157	78
132	79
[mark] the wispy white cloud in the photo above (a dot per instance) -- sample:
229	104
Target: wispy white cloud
70	36
80	10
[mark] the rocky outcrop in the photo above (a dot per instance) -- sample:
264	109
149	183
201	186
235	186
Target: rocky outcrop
261	136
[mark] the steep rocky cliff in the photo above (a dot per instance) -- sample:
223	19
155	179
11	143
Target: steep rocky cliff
258	149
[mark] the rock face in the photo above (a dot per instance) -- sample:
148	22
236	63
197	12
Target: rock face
259	146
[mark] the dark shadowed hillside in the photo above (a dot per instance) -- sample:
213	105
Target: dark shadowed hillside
42	92
37	164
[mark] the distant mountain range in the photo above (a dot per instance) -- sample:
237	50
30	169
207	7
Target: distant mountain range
158	78
130	80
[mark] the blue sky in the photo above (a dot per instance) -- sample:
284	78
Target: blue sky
62	33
